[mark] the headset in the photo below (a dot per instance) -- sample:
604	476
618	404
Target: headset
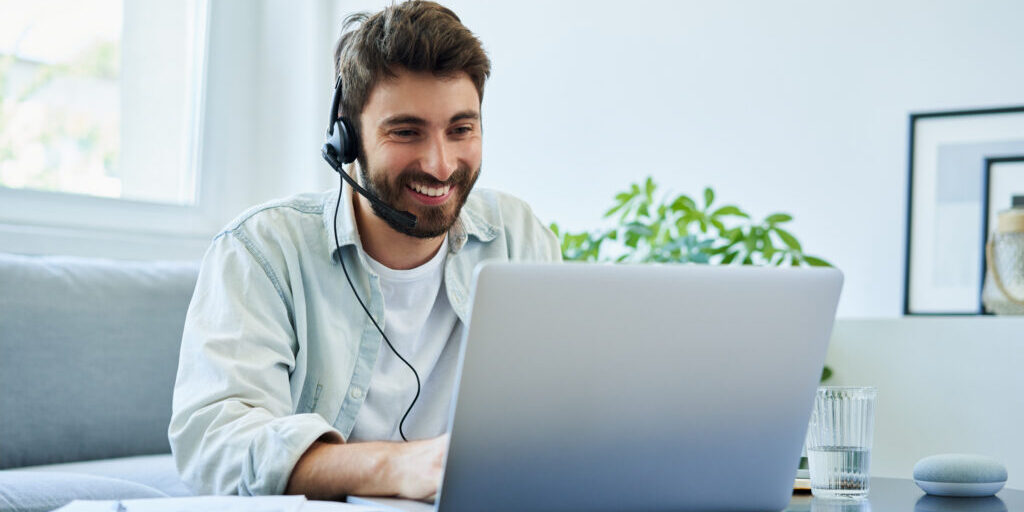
342	147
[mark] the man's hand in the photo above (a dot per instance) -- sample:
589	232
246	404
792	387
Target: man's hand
415	467
331	469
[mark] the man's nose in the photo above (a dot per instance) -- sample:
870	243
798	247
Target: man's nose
440	160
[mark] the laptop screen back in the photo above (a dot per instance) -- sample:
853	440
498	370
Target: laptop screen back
640	387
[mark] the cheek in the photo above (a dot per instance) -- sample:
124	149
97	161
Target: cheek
395	159
471	153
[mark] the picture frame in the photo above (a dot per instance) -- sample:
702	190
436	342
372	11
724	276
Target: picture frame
1004	179
947	217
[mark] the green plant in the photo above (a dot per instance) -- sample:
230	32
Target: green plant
666	229
678	229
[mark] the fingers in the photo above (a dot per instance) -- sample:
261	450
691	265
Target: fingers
419	465
442	443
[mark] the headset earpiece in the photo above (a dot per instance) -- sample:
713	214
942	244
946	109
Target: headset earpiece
350	143
341	141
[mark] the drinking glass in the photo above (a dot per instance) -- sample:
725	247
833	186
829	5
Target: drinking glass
839	441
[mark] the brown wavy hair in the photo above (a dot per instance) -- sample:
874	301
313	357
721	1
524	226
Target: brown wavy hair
416	35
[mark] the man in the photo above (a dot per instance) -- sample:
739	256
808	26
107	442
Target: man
285	383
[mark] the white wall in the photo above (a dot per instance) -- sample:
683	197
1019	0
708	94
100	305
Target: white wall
945	385
270	63
799	106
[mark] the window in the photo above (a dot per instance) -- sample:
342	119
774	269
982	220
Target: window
100	98
217	106
100	116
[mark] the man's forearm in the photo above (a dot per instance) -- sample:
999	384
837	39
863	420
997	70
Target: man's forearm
331	470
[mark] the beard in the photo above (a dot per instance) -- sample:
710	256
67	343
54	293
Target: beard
431	221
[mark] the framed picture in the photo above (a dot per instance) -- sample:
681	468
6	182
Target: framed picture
1004	180
947	217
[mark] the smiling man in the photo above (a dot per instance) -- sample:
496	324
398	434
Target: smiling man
286	382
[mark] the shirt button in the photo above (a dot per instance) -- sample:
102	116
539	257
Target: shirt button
356	393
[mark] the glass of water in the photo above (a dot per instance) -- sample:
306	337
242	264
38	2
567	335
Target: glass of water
839	441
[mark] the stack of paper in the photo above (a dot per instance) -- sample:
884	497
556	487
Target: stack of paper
216	504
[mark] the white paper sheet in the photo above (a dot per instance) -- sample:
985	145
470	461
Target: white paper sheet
216	504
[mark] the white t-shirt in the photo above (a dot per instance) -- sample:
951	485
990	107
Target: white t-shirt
423	327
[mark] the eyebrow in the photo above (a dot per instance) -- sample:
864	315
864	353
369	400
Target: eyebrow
419	121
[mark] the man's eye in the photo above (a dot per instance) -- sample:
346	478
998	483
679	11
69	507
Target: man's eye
462	130
404	133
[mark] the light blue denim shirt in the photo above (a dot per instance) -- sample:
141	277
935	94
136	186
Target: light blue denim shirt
276	351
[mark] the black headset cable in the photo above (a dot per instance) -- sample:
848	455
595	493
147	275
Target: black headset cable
337	254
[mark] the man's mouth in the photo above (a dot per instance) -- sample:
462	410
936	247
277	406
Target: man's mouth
430	191
430	195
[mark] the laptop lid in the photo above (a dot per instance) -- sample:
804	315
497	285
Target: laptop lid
639	387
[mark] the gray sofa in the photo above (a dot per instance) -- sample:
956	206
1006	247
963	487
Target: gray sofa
88	356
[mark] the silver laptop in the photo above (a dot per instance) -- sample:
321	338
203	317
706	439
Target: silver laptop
634	387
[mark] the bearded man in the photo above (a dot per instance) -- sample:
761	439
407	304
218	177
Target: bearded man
320	347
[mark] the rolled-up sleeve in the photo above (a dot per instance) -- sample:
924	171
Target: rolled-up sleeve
233	429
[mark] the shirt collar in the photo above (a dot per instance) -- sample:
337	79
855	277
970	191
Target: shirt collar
471	222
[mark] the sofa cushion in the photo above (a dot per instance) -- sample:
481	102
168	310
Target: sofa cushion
156	471
30	491
90	352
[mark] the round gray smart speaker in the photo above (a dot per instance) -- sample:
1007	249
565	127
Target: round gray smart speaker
955	474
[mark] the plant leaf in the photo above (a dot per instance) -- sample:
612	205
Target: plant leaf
768	248
788	238
750	243
729	210
709	197
622	199
639	228
683	203
655	229
722	249
615	209
778	218
814	261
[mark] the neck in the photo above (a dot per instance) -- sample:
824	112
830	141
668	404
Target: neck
385	245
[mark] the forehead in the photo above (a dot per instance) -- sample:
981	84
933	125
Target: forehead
421	94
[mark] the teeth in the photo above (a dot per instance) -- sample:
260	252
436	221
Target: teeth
431	191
